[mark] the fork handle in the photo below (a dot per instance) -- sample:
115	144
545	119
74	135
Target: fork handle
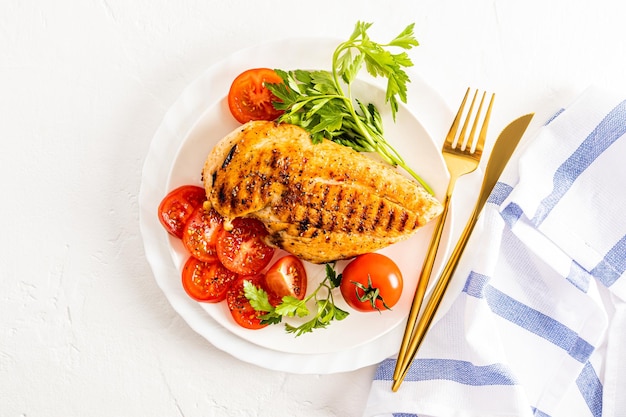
435	299
422	285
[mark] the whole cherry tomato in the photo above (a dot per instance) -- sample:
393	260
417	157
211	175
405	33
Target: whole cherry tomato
371	282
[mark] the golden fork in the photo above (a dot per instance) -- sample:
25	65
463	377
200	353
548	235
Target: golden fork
462	156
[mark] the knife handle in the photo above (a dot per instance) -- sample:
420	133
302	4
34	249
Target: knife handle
435	299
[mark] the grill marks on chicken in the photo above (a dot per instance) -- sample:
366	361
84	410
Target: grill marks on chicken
321	202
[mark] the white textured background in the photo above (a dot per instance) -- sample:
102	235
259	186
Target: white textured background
84	330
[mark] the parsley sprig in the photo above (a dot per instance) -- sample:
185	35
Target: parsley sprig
317	101
325	309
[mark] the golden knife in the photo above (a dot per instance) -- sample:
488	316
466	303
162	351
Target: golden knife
502	150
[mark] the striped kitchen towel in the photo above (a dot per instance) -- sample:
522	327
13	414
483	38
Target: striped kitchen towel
537	319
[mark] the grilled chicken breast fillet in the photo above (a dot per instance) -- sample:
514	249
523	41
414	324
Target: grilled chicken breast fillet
321	202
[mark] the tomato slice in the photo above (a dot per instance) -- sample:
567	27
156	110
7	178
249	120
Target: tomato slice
287	277
242	312
249	99
200	234
178	206
242	249
207	281
371	282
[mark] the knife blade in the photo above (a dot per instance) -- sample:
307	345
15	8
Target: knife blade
503	148
505	145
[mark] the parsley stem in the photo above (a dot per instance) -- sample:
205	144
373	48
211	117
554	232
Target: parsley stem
376	141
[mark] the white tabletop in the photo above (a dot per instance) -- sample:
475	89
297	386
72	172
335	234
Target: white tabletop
84	329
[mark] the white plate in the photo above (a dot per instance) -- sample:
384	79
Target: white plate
194	124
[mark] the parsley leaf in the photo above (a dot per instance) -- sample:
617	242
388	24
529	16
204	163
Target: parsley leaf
333	278
257	296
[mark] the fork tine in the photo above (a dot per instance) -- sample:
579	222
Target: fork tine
462	139
483	130
457	119
470	139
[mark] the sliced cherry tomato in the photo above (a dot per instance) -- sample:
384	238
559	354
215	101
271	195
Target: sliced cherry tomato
243	313
178	206
207	281
249	99
287	277
242	249
371	282
200	234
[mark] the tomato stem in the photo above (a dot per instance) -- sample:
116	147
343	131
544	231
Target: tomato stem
370	294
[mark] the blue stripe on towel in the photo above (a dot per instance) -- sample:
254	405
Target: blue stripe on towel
579	277
475	284
511	214
404	415
554	116
611	128
528	318
613	265
459	371
499	193
590	388
539	413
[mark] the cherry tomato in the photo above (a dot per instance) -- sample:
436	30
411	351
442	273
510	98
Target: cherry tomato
242	249
249	99
241	310
178	205
200	234
287	277
371	282
207	281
